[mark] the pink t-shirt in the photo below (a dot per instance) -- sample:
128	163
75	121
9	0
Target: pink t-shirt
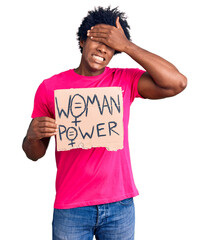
91	176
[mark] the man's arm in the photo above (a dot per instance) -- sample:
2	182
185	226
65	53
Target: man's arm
38	135
161	80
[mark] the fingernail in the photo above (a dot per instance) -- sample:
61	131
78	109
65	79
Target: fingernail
92	28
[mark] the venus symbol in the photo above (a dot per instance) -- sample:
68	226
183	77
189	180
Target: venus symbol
78	107
71	135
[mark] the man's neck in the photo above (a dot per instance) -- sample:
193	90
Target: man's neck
81	70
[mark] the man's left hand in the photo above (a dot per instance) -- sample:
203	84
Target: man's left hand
113	37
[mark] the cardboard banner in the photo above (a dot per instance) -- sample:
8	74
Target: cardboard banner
89	117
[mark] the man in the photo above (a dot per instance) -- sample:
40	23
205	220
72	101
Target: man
95	187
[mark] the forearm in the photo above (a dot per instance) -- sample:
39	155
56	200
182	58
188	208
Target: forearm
34	149
163	73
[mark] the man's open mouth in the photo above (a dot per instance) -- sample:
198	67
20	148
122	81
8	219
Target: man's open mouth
98	58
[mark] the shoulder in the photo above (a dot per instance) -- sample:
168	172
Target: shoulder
128	75
127	71
57	77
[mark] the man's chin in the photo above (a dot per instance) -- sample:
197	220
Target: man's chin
97	67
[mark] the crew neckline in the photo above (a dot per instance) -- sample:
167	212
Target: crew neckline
89	77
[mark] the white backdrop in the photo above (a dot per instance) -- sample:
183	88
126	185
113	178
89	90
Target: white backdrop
168	138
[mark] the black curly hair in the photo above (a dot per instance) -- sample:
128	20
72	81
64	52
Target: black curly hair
102	15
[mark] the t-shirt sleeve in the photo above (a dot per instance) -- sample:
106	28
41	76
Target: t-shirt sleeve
40	108
135	75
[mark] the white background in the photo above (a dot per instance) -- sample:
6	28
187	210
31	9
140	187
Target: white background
168	138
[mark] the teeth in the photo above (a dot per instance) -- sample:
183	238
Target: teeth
98	58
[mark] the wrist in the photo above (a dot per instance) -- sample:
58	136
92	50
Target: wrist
29	139
129	47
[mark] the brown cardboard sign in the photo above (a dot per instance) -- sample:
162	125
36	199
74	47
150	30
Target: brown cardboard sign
89	117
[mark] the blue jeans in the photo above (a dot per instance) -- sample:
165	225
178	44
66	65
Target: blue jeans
111	221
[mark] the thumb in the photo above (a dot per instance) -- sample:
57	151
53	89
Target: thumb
118	24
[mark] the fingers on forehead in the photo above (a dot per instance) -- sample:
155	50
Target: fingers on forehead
106	26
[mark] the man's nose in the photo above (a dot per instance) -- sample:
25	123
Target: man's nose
102	48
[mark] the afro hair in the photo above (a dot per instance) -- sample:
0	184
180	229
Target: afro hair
105	16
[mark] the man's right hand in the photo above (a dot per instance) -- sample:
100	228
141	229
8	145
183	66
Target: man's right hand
41	127
37	139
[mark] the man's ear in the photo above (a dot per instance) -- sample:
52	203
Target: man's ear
81	43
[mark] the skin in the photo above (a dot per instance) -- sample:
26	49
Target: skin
161	79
